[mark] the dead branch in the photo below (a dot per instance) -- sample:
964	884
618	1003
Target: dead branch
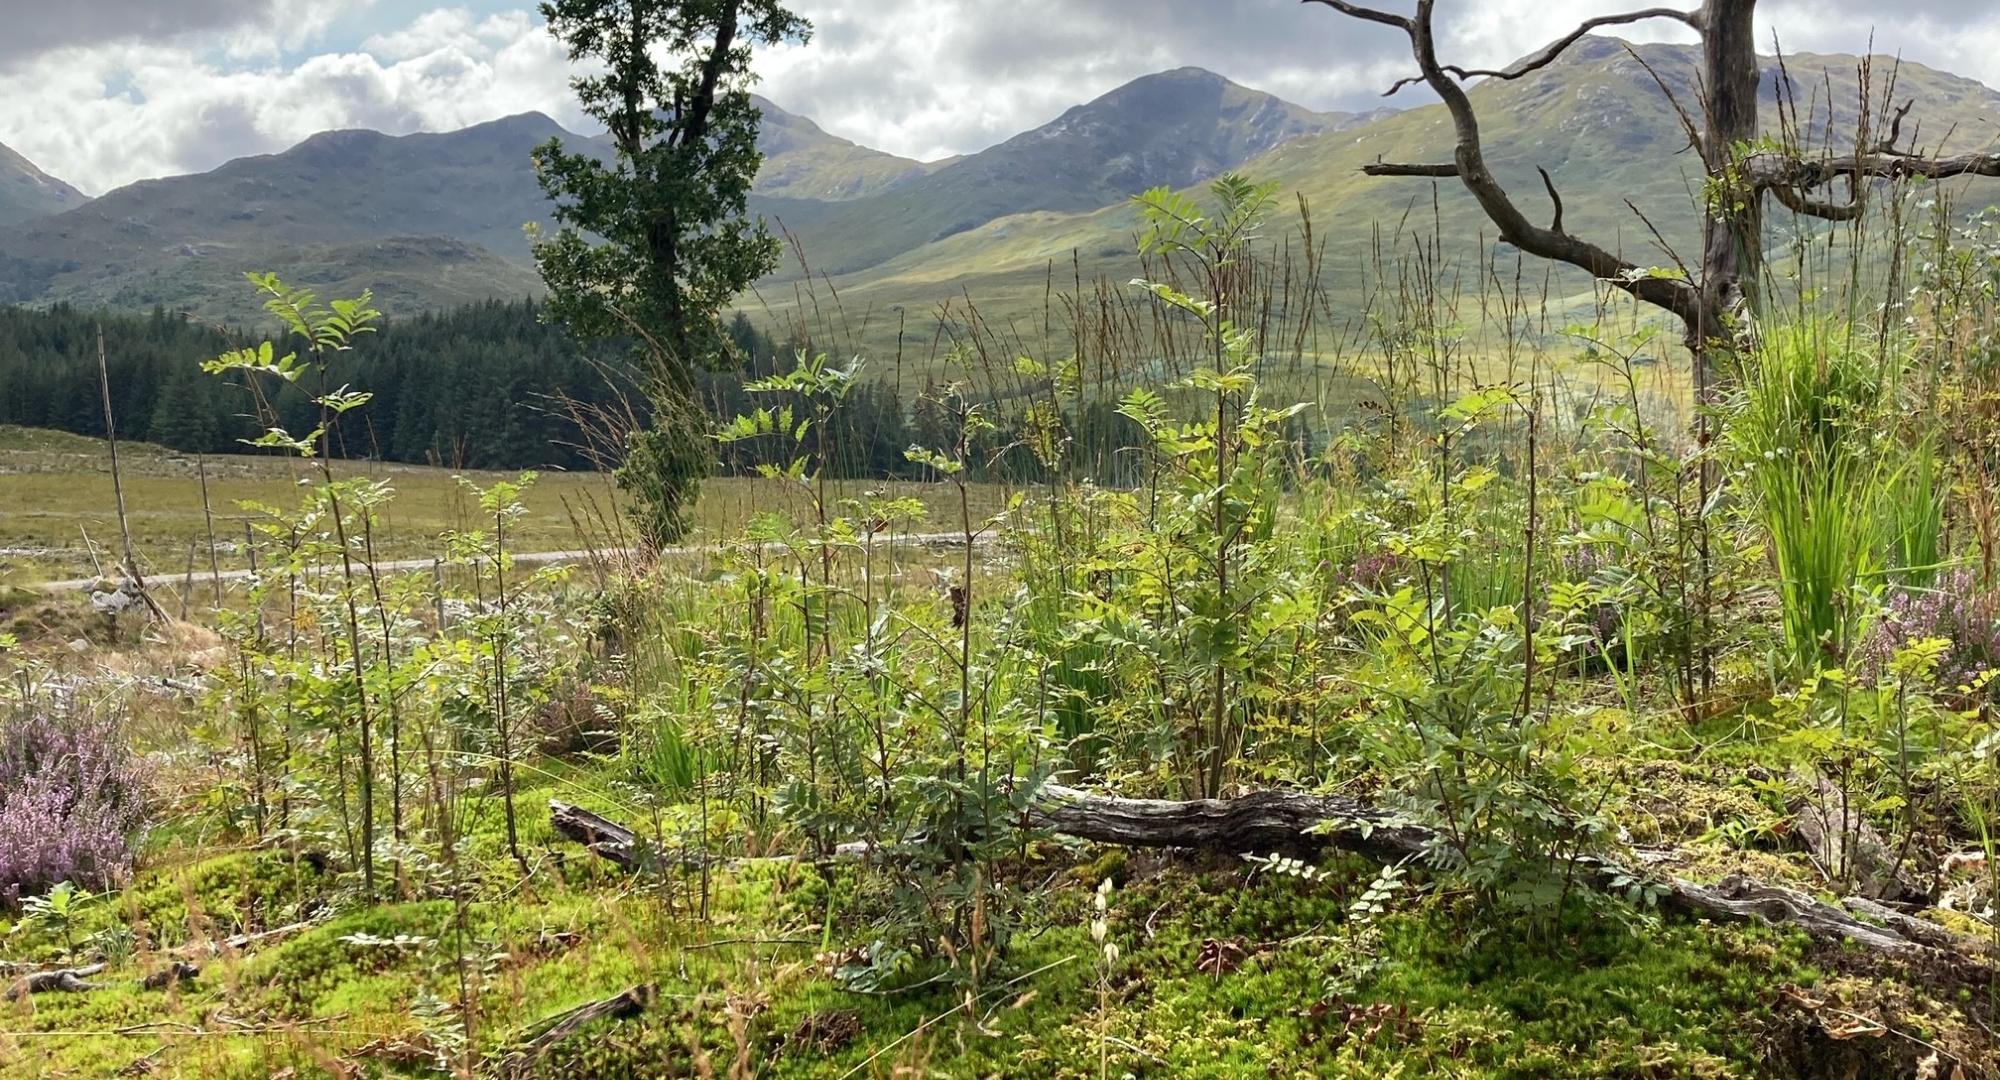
1368	14
1680	297
1792	199
65	980
1887	144
1554	197
605	838
1771	171
554	1029
1295	823
171	976
1378	167
1549	53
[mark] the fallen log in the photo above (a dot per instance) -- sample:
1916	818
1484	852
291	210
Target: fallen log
551	1030
1297	823
1301	824
171	976
65	980
605	838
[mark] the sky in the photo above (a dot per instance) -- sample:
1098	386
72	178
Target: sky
105	92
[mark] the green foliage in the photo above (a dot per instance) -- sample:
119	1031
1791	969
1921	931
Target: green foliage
55	912
1483	609
1817	437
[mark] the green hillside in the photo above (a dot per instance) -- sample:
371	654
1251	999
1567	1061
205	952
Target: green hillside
27	192
1596	120
341	210
1174	128
802	161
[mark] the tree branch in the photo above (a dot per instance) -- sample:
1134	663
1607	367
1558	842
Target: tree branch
1549	53
1369	14
1549	183
1887	145
1798	203
696	128
1556	48
1671	293
1773	170
1394	168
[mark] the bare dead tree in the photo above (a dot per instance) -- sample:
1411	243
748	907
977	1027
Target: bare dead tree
1741	171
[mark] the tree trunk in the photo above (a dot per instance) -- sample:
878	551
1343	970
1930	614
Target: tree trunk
1732	222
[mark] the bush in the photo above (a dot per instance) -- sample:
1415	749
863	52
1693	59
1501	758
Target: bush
70	802
1957	609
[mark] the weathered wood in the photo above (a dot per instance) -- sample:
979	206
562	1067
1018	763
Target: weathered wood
1296	823
1300	824
604	837
65	980
1262	822
171	976
551	1030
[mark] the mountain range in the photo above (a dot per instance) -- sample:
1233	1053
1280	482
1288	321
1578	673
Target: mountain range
435	219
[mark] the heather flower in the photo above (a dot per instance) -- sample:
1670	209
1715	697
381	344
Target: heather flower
70	802
1956	609
1371	571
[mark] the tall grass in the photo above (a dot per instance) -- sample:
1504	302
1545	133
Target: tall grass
1815	434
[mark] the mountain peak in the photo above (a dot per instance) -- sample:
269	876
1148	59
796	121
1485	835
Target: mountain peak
1189	73
529	123
26	192
1164	88
803	161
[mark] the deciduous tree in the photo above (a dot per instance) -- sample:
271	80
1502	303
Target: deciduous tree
655	242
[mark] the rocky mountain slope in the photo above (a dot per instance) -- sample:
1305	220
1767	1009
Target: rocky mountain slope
27	192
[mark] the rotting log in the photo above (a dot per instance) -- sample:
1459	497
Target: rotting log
1301	824
65	980
171	976
1297	823
605	838
551	1030
76	980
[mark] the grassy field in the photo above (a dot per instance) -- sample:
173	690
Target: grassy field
58	510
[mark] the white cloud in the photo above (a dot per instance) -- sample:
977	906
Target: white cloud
930	77
105	116
103	92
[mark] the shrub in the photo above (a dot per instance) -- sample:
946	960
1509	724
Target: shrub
70	802
1957	609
